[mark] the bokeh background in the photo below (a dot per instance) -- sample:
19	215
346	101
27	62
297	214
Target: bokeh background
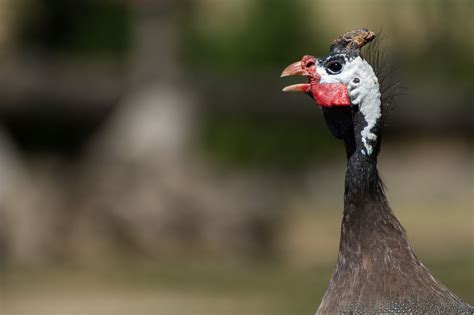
149	163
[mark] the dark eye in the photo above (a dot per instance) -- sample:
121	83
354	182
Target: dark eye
334	67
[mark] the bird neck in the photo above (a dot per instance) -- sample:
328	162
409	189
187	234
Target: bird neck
363	184
367	215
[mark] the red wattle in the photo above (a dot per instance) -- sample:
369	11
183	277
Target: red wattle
330	94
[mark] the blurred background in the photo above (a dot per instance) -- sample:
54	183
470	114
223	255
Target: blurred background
149	163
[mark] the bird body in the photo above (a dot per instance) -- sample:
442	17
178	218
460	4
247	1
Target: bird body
377	271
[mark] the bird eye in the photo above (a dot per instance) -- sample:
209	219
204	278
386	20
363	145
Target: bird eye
334	67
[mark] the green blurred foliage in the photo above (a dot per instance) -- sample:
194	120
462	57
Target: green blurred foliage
277	31
273	33
86	28
268	142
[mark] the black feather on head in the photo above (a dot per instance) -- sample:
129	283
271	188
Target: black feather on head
383	64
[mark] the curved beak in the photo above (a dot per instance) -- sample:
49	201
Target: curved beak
301	87
294	69
303	68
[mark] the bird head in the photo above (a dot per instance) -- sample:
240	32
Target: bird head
331	79
343	80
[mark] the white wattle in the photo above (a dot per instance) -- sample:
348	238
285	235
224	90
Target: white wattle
365	92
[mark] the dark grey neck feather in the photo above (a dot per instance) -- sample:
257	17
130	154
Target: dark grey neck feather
376	271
